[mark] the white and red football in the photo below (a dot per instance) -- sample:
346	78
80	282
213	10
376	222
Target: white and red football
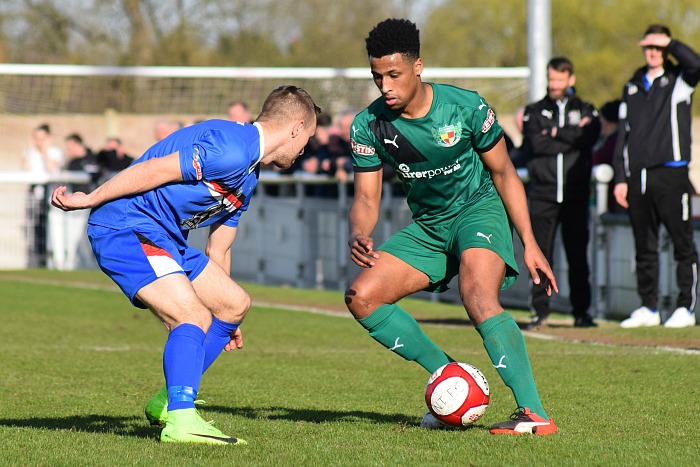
457	394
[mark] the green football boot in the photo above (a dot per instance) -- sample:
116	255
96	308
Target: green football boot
157	408
187	426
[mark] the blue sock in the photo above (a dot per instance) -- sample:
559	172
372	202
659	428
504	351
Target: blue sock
218	336
183	359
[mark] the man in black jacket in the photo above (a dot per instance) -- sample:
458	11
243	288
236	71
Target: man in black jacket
559	132
651	171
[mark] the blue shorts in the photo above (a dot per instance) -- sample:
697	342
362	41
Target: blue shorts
133	258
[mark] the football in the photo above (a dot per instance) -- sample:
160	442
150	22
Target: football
457	394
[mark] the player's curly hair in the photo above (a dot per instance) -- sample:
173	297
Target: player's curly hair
394	36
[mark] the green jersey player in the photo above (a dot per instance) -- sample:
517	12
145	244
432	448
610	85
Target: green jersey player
448	150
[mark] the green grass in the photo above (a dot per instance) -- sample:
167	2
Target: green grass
78	363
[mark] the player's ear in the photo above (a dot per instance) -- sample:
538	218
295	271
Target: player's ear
297	128
418	67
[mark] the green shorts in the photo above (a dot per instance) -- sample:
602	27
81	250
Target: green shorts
436	249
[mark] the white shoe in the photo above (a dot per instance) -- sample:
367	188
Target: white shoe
642	317
681	318
429	422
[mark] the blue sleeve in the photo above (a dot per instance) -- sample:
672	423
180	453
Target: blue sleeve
215	155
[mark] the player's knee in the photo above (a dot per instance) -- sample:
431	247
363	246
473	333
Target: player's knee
359	300
238	308
479	303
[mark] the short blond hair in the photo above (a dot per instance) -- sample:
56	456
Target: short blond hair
287	103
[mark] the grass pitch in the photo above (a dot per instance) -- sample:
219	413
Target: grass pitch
78	364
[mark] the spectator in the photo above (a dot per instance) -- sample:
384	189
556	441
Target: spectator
560	130
164	128
605	146
42	157
518	154
238	112
317	158
81	159
339	147
651	171
67	230
112	158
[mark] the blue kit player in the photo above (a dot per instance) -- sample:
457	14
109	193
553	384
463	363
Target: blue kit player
200	176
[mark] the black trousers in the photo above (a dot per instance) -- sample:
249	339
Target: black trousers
572	217
662	196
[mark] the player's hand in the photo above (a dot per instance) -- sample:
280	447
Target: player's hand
540	271
362	251
236	341
70	201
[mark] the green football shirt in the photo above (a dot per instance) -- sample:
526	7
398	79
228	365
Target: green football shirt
436	157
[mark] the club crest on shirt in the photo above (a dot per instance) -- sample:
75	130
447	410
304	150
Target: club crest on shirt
574	117
447	135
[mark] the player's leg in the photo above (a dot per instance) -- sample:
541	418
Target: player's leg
173	299
228	303
148	267
481	275
372	297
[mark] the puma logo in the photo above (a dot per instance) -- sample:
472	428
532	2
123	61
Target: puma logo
500	363
487	237
483	104
392	141
396	344
354	131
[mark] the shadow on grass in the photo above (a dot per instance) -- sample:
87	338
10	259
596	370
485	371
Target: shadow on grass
323	416
121	426
137	426
460	322
313	415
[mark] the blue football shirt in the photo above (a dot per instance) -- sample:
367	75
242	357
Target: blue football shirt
219	163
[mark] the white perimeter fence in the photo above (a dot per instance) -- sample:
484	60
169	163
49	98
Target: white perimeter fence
291	237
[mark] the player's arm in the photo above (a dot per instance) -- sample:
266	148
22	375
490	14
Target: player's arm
137	178
218	247
364	214
510	188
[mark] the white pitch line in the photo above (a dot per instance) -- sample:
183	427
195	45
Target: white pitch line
339	314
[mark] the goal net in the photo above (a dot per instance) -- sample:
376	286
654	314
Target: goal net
127	102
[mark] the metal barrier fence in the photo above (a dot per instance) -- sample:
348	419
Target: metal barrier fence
289	236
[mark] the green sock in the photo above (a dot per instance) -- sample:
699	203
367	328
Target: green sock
399	332
506	347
